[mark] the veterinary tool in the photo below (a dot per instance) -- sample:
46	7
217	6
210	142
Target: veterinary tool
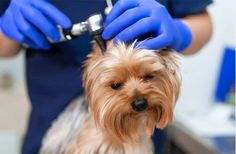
93	25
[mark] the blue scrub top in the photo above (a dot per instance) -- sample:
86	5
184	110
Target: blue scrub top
54	77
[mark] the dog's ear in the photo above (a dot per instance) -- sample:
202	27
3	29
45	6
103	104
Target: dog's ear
169	59
97	52
109	43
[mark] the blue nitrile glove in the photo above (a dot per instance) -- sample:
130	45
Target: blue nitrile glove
132	19
31	22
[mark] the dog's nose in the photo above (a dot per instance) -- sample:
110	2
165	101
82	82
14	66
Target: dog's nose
139	105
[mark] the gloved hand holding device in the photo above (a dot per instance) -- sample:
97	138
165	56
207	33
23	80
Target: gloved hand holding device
130	19
32	22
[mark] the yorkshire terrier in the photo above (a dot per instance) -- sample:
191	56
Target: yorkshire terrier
129	91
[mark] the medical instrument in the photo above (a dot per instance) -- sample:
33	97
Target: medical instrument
93	25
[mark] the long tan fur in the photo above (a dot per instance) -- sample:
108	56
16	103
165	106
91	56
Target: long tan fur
111	125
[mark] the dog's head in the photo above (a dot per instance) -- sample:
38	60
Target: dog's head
130	90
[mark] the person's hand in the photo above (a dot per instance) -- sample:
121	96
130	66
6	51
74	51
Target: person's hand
147	19
32	22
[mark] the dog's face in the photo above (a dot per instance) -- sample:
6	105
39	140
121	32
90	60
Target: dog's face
131	90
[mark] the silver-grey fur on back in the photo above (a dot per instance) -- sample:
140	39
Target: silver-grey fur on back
64	129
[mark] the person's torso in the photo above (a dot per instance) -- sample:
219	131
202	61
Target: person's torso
54	77
48	71
46	67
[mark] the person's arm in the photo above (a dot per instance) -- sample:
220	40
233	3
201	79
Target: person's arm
31	23
201	27
151	22
8	48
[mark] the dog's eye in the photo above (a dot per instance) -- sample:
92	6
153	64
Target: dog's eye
116	86
148	77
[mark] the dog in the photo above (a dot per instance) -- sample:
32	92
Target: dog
129	91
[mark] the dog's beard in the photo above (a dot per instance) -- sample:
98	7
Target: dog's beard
114	114
111	108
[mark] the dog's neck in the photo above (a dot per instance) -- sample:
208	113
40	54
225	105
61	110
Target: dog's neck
102	140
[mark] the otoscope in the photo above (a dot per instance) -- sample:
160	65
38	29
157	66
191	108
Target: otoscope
93	25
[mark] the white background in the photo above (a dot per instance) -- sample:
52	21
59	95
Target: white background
200	71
